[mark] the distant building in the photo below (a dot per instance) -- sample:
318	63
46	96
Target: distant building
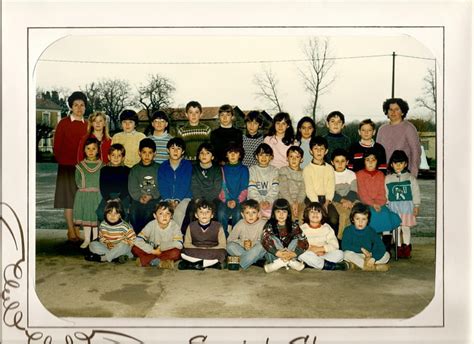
48	114
428	141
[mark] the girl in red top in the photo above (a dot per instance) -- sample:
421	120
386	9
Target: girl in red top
96	127
68	133
371	190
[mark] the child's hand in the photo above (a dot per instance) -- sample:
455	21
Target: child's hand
416	211
377	207
231	204
109	245
144	199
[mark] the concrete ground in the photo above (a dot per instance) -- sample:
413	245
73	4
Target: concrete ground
69	286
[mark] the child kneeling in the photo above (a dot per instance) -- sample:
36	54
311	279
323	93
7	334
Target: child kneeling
323	252
204	242
283	239
160	242
116	237
361	245
244	240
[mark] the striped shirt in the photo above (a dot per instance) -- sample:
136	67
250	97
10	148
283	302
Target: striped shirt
115	234
161	153
193	136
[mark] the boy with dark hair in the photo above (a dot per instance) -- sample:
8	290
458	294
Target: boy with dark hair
113	181
129	137
161	136
143	186
160	242
252	139
244	240
336	139
226	134
356	151
193	133
319	180
175	179
206	180
235	181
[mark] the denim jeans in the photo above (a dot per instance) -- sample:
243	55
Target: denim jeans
279	246
119	250
249	257
224	213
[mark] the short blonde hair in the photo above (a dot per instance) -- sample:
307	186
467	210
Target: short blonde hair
92	118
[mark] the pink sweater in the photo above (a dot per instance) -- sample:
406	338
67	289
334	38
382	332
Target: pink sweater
371	187
279	151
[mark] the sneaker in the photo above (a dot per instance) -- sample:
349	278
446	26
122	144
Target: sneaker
166	264
185	265
92	257
275	265
296	265
217	266
342	266
121	259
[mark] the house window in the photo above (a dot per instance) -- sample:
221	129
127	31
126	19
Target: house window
46	118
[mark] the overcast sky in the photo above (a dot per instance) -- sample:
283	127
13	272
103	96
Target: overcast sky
360	86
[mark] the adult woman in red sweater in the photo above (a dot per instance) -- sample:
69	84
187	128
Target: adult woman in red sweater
69	132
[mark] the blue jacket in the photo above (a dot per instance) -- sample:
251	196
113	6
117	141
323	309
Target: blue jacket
175	184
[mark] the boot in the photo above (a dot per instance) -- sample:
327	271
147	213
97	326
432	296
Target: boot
87	237
401	251
275	265
335	266
94	233
387	241
296	265
407	251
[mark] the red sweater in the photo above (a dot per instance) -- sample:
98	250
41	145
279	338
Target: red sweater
66	140
104	148
371	187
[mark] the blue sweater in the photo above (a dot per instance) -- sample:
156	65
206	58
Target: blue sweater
175	184
235	183
353	239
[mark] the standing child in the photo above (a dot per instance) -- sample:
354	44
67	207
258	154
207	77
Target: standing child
193	133
323	252
336	139
113	181
283	239
160	122
244	240
253	138
305	131
204	243
280	137
404	199
292	183
116	237
319	180
235	181
143	186
356	152
345	192
371	189
97	127
129	137
361	245
222	137
263	180
175	179
69	132
160	242
87	196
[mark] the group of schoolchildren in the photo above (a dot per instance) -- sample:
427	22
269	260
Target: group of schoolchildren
290	200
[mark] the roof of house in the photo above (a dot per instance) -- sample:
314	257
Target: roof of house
46	104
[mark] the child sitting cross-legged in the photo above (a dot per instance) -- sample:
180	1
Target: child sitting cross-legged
361	245
160	242
283	239
116	237
204	242
323	252
244	240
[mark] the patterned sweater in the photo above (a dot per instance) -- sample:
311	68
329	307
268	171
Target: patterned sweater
161	153
263	183
272	231
250	144
115	234
346	186
291	185
193	136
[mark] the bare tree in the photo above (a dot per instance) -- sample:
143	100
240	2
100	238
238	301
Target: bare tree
428	101
93	94
267	84
315	74
156	94
115	96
